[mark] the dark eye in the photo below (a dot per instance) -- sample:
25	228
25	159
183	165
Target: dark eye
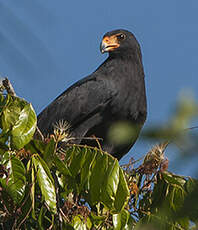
121	37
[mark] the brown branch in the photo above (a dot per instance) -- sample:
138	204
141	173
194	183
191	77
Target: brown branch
26	216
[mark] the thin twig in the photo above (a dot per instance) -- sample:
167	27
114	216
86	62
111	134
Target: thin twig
40	133
84	138
26	216
85	146
63	214
97	140
133	162
194	127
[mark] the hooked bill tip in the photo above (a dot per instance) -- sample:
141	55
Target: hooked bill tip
102	47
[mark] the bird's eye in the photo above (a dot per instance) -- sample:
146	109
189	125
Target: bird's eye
121	37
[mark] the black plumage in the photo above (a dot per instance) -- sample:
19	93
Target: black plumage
113	94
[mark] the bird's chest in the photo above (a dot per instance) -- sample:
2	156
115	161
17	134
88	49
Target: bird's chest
124	102
124	82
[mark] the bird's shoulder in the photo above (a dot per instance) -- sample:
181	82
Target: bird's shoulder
83	98
95	85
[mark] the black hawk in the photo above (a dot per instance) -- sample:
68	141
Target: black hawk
109	104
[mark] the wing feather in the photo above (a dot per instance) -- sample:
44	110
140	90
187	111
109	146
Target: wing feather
77	104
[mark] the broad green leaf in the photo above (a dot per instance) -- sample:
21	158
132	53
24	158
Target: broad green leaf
99	174
122	194
3	101
61	166
97	220
10	117
162	188
87	169
11	112
190	205
78	156
15	182
123	221
46	182
88	223
164	208
19	119
175	193
24	128
110	183
35	146
78	223
97	177
48	154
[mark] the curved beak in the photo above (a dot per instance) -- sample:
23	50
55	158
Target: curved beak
109	44
103	47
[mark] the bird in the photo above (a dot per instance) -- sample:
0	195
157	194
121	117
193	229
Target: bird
109	104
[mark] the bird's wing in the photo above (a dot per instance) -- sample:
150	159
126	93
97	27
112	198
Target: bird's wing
78	103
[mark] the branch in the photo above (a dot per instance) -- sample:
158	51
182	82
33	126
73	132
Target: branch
8	86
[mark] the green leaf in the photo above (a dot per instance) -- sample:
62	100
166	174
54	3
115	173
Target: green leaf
3	142
97	220
35	146
78	160
160	222
46	182
110	183
19	120
41	217
3	102
164	207
173	179
190	205
67	226
61	166
96	179
15	183
98	176
123	221
78	223
10	113
122	194
32	194
87	169
3	138
24	128
25	208
49	152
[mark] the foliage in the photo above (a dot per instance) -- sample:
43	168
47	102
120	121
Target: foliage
45	185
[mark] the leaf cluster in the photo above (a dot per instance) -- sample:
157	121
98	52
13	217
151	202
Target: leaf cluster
45	185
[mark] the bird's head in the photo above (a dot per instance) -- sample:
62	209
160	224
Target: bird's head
118	41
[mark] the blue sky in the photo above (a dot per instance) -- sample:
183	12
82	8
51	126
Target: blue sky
45	46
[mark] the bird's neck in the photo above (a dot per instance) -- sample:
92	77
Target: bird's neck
118	61
130	54
121	59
